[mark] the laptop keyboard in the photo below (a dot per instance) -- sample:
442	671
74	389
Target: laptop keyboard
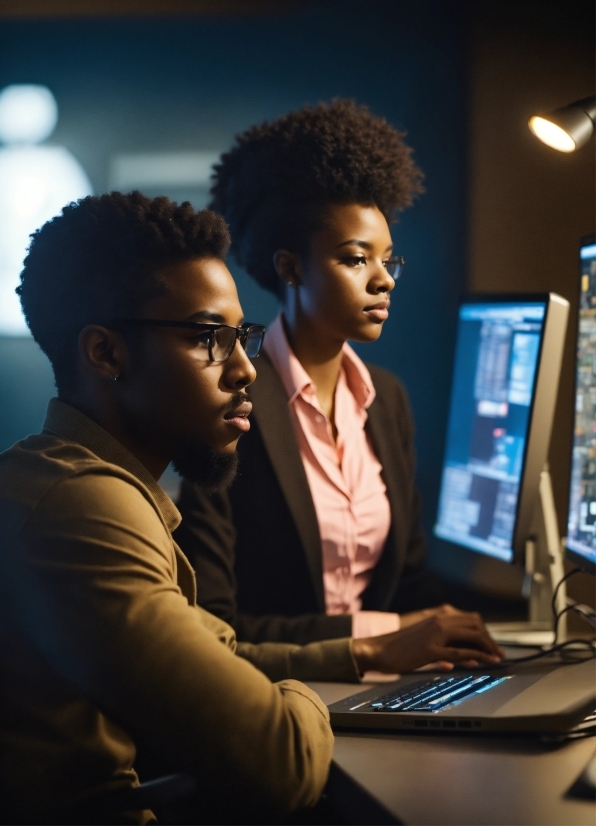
433	695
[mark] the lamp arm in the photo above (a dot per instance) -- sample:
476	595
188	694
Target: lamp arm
588	105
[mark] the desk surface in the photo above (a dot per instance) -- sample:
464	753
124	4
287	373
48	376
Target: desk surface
464	780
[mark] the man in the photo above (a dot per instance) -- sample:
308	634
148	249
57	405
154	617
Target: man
102	644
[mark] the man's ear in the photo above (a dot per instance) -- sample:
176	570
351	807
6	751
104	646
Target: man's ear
287	266
103	351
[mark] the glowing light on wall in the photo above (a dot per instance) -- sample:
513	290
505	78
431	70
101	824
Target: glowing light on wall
35	183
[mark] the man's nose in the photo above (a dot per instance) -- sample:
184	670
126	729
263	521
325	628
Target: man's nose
239	370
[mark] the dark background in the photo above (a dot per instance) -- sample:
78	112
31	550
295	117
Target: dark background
501	212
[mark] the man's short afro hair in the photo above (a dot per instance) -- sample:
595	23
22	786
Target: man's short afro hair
273	185
102	259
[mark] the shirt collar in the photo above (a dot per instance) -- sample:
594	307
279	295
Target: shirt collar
294	377
68	423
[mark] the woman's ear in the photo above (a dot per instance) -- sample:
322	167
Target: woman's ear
102	351
287	266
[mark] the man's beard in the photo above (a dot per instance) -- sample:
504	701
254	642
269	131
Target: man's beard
201	465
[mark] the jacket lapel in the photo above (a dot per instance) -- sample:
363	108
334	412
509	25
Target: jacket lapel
387	570
267	393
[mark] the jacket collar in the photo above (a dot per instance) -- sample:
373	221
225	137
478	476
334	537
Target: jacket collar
70	424
269	394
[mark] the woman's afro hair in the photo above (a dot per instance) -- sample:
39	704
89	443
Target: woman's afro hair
272	187
102	259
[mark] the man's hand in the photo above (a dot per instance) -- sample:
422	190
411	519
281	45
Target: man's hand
447	636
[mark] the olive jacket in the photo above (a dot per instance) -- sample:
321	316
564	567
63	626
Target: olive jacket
102	647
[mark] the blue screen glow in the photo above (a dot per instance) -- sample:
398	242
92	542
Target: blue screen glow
498	347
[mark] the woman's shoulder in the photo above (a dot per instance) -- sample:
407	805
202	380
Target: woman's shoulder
391	405
385	382
267	389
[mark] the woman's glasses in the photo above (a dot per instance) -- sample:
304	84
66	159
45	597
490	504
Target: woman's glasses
214	342
395	266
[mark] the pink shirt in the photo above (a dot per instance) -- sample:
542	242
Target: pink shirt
345	479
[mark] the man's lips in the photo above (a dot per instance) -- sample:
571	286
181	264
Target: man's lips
379	311
238	416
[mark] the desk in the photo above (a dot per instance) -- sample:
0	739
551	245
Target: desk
461	780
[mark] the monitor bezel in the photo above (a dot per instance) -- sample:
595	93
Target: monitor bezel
529	478
579	560
575	557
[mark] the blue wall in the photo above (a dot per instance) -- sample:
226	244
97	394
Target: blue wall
164	84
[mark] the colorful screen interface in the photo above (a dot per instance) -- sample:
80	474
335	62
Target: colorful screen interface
498	347
581	526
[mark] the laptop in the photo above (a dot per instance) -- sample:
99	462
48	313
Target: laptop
540	697
505	380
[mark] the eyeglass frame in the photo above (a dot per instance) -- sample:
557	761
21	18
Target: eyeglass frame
399	262
242	332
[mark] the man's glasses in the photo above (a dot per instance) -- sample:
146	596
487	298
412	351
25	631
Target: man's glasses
395	266
214	342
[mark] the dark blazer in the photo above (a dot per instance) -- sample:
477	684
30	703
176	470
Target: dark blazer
256	548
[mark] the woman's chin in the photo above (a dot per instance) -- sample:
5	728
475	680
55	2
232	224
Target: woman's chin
367	334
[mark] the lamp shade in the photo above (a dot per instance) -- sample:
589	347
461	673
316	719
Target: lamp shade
567	128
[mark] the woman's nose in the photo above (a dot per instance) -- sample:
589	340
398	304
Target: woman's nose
381	280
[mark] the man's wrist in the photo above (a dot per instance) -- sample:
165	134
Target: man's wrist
363	654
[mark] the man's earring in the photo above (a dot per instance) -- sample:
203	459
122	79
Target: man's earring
116	377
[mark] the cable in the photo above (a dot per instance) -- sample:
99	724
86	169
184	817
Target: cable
558	616
554	649
583	610
553	602
586	613
562	647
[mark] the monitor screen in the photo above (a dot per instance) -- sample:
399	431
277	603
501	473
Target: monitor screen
581	523
497	354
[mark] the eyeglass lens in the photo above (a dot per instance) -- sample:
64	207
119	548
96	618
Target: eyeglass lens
394	267
224	339
254	340
222	343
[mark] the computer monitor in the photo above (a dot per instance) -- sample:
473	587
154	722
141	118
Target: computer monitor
581	522
504	387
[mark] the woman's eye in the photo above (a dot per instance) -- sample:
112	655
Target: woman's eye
355	261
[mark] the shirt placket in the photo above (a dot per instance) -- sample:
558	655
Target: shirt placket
335	449
350	528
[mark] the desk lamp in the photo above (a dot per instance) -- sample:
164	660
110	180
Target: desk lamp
567	128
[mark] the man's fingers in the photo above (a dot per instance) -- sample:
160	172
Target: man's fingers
483	640
439	665
469	628
460	655
449	610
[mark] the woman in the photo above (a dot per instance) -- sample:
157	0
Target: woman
319	536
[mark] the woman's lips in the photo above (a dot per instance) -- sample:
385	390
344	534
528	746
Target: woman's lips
238	417
378	312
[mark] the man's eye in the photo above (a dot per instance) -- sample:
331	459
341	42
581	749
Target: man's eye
201	340
355	261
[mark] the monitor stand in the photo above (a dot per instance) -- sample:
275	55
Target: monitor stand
544	569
